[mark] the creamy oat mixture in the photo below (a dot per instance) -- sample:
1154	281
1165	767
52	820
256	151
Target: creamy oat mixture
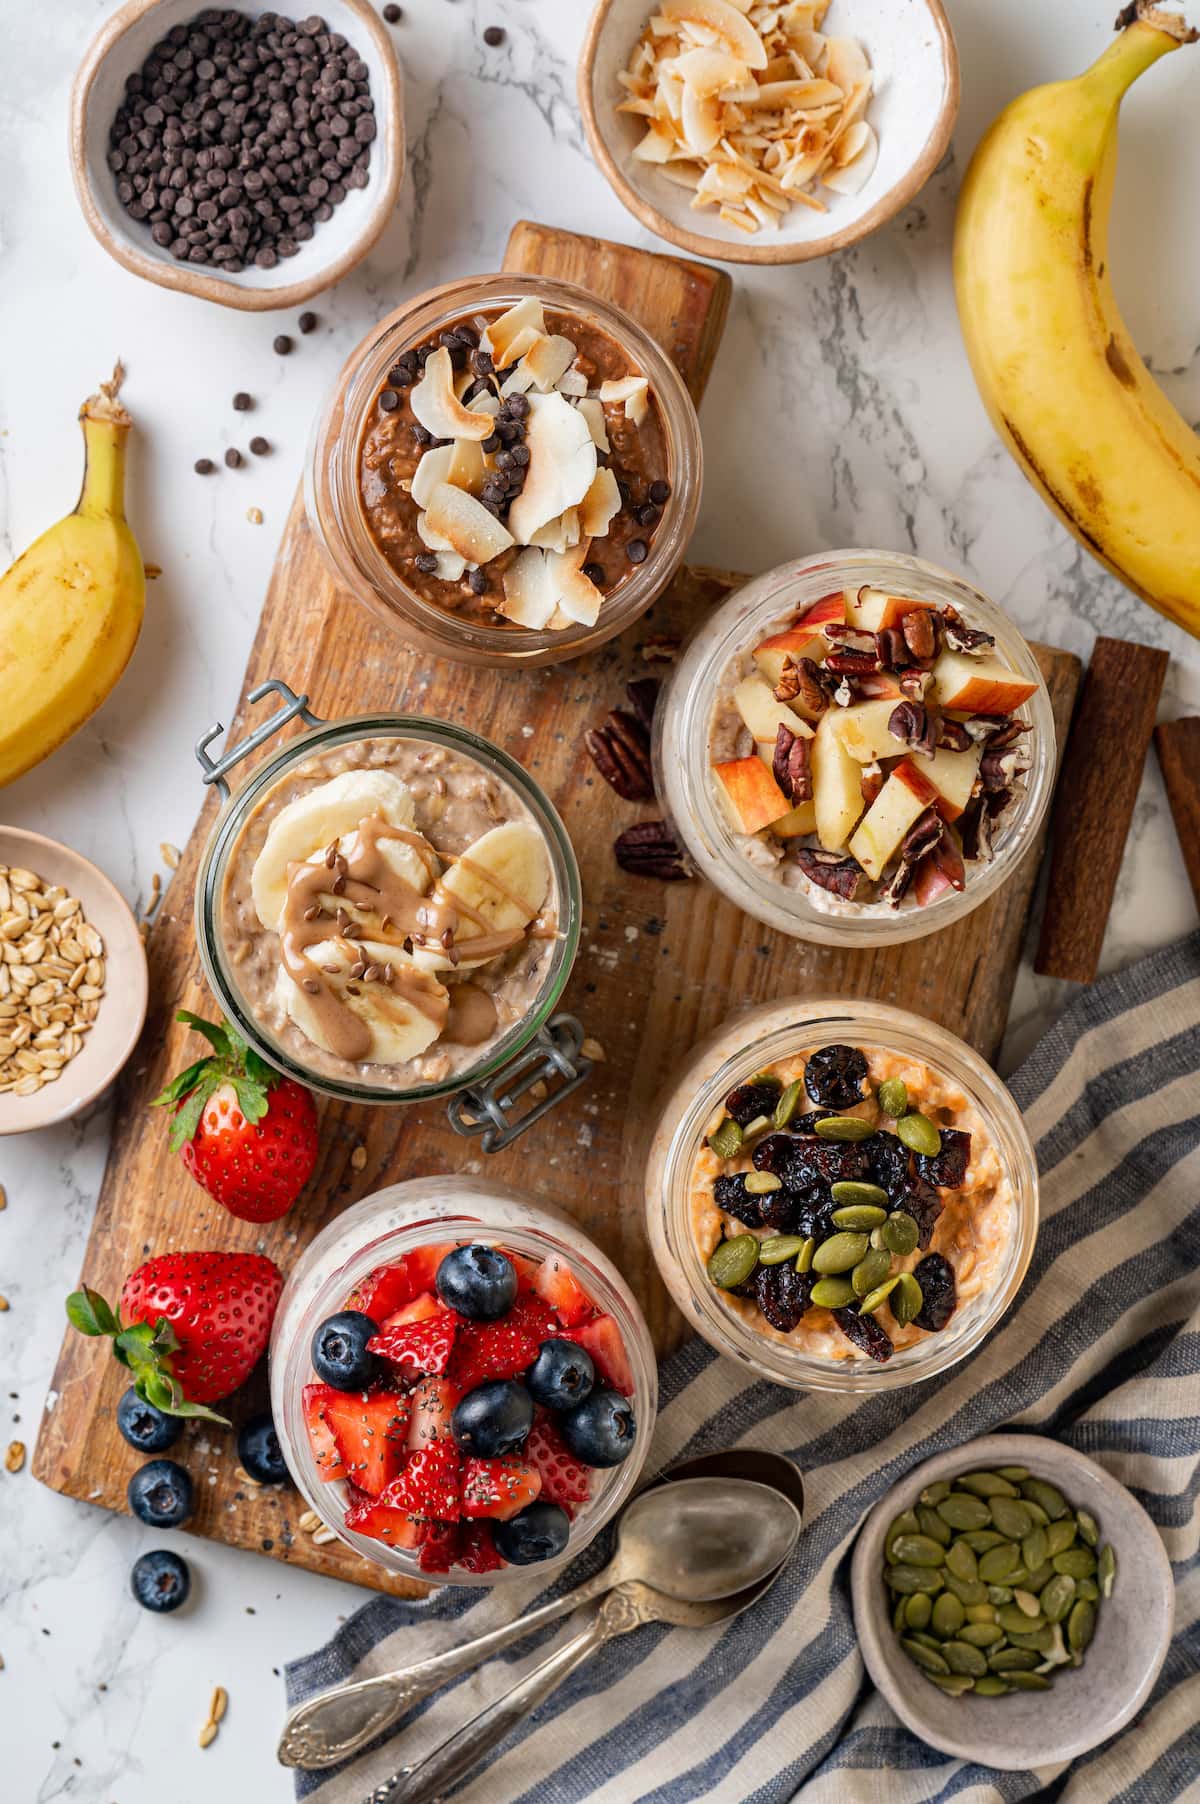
389	913
973	1232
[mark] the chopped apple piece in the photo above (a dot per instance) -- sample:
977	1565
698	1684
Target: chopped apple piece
803	639
939	871
863	730
878	685
752	795
837	789
875	609
764	715
797	822
904	796
953	775
978	685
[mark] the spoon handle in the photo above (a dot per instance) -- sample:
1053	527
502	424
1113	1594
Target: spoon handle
334	1725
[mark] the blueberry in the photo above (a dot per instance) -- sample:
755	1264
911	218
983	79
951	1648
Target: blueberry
493	1419
562	1374
160	1493
160	1581
477	1281
601	1430
339	1351
258	1450
148	1429
538	1532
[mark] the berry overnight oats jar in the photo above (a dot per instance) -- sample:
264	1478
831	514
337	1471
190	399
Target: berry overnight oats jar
567	1288
508	471
840	1195
856	749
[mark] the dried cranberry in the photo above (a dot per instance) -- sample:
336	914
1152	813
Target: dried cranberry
834	1076
814	1212
922	1202
749	1101
775	1153
948	1168
779	1210
868	1335
934	1275
834	1161
887	1163
782	1293
730	1194
806	1124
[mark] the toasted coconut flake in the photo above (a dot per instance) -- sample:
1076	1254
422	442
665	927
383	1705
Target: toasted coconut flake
600	505
852	175
720	23
436	406
466	525
530	597
503	332
560	534
562	464
467	468
709	72
548	361
433	469
450	566
634	391
593	413
578	597
658	146
572	382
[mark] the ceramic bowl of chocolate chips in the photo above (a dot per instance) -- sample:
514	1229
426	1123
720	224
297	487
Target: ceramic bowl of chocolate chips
249	157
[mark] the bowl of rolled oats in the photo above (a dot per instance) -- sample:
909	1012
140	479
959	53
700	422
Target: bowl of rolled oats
767	131
73	981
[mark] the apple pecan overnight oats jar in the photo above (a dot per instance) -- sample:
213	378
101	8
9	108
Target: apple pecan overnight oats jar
841	1195
508	471
388	909
856	749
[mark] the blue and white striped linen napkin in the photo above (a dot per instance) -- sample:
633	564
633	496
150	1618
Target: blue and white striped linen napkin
1102	1351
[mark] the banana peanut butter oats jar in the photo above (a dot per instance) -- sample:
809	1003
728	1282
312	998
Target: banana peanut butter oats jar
841	1195
388	909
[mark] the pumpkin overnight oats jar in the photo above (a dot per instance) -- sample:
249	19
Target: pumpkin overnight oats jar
841	1195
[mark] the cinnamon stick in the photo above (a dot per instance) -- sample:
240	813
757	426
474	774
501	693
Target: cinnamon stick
1178	745
1097	789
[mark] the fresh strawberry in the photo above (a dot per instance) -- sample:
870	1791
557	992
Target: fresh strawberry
371	1435
432	1403
247	1135
497	1487
534	1318
421	1348
329	1461
419	1310
440	1551
194	1325
428	1483
422	1263
557	1285
381	1293
383	1521
476	1548
487	1350
564	1479
526	1269
602	1339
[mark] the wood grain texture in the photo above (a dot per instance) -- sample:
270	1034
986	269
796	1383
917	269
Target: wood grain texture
1178	745
658	966
1097	792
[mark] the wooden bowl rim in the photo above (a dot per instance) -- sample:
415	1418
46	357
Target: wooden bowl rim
183	278
716	249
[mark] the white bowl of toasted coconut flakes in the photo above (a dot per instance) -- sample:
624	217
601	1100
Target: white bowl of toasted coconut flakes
768	131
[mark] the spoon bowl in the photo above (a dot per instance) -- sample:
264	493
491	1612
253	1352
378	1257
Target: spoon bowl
700	1539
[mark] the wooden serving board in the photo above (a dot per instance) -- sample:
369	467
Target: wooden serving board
659	964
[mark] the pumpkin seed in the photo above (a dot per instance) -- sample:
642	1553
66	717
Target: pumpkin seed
1081	1626
956	1683
996	1564
932	1494
850	1190
908	1579
762	1183
1048	1496
926	1640
840	1253
990	1686
1089	1528
1040	1641
779	1247
899	1616
915	1610
1040	1577
861	1217
916	1550
1057	1598
924	1657
726	1140
874	1299
804	1258
981	1613
982	1634
948	1615
1079	1562
733	1261
960	1656
999	1594
787	1105
907	1300
844	1127
754	1128
919	1134
832	1293
986	1484
966	1591
1036	1512
1058	1655
1011	1518
892	1097
981	1540
1059	1536
1014	1474
1028	1681
931	1524
961	1562
1087	1588
1106	1570
1034	1549
1012	1659
900	1233
965	1512
870	1272
1026	1601
1016	1621
1018	1576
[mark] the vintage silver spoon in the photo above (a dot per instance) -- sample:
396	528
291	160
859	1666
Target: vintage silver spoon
732	1520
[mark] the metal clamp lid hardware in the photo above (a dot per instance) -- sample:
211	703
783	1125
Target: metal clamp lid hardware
486	1110
294	707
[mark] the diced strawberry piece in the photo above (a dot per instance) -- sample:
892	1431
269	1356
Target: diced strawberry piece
419	1310
440	1550
428	1484
422	1263
564	1479
486	1350
602	1339
534	1318
526	1269
557	1285
476	1548
418	1348
330	1463
497	1487
381	1292
432	1404
371	1432
376	1517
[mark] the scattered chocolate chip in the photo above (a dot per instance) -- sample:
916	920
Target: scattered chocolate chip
233	458
260	446
595	574
282	344
204	466
648	516
620	750
242	402
389	400
637	551
308	322
392	13
650	849
660	491
494	35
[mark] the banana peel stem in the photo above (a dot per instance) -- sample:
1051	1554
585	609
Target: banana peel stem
1145	12
1139	45
106	426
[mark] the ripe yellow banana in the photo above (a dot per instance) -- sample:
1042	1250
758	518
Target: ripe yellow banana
71	606
1055	365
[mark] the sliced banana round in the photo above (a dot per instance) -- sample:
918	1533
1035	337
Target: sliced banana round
399	1029
502	882
314	820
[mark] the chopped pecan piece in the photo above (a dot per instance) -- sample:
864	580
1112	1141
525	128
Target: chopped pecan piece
940	869
999	768
620	750
961	637
791	767
975	831
816	688
922	836
919	631
914	683
651	849
953	736
842	877
643	698
870	781
912	724
661	648
1007	733
788	686
892	649
896	887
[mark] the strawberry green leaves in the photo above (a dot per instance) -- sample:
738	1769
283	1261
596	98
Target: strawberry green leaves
231	1062
144	1348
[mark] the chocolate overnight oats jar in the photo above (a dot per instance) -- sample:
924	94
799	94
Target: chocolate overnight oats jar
388	909
508	471
841	1195
856	748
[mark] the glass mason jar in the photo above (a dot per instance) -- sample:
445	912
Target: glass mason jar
750	1042
398	1220
219	959
334	502
682	735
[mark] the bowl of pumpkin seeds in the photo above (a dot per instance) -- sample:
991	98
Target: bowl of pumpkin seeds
1013	1602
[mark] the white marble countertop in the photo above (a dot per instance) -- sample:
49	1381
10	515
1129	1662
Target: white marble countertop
842	412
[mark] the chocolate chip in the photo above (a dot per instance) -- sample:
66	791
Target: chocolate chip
204	466
477	582
648	516
494	35
595	574
637	551
260	446
282	344
242	402
392	13
233	458
426	563
308	322
660	491
389	400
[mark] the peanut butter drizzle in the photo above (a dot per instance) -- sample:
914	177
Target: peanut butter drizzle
472	1018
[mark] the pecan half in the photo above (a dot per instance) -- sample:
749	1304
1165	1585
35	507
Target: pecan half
895	889
842	877
814	690
620	750
870	782
851	638
893	650
953	736
920	634
961	637
922	836
791	767
975	831
651	849
999	768
661	648
643	698
912	724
